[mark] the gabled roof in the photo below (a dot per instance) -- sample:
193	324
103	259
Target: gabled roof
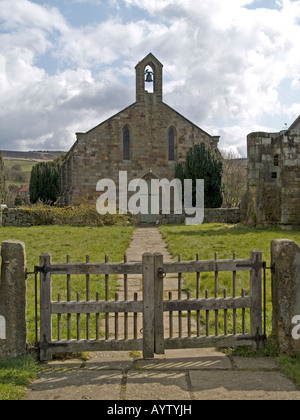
296	124
150	57
25	188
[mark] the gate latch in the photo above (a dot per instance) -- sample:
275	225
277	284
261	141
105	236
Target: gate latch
160	272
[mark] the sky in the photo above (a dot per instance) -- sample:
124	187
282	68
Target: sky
230	66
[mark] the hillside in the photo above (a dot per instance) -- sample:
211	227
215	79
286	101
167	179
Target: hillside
32	156
18	167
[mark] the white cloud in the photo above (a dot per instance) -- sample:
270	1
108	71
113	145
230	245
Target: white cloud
223	66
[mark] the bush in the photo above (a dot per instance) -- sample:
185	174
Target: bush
83	215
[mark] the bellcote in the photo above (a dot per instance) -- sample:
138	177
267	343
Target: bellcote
149	78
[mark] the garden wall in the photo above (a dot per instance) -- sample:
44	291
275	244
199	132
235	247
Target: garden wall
88	215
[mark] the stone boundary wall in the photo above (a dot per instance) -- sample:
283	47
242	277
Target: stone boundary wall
25	218
231	216
18	218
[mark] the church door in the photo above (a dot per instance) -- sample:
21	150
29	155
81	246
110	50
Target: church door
148	218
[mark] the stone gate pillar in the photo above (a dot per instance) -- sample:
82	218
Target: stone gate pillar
285	254
13	300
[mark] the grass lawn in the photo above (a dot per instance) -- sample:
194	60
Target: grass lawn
59	241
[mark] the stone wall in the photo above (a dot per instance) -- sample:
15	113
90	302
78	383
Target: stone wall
274	178
25	218
18	218
231	216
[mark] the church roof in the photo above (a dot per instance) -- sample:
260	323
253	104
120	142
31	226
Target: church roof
296	124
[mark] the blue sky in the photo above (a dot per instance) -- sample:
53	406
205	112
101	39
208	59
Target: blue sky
230	66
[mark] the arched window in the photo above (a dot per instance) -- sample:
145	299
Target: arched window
171	144
126	143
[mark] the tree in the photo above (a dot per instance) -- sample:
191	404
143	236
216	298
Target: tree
44	182
234	178
202	163
2	181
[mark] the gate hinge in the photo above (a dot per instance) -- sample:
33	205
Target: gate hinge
258	338
37	270
272	267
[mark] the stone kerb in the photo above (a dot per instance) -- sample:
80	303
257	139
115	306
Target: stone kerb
285	254
13	300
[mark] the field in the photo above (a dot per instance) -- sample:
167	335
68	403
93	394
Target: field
18	165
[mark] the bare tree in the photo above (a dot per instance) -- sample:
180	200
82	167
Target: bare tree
234	178
2	181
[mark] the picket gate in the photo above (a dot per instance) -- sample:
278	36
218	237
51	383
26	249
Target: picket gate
152	320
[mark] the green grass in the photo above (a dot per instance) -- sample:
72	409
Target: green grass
25	164
59	241
291	366
207	239
15	376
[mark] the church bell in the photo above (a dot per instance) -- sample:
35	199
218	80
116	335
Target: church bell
149	76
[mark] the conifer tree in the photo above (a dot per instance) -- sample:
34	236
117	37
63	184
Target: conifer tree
202	163
44	182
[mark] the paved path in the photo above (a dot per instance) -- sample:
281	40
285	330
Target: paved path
190	374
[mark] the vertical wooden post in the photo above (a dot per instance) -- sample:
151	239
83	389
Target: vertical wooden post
148	312
256	295
158	305
45	307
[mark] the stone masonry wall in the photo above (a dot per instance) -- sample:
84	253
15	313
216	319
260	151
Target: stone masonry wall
274	178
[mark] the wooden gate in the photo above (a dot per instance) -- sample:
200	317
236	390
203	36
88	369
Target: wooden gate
156	319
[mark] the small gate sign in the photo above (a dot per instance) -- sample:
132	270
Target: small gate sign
2	328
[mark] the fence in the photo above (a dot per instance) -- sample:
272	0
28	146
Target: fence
149	310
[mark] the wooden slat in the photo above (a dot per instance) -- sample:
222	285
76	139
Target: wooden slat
205	266
148	313
95	345
94	307
45	308
93	268
107	299
210	341
256	294
69	328
170	317
88	317
207	304
126	299
158	305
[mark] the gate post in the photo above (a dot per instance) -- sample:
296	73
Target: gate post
148	311
256	295
158	304
13	300
45	307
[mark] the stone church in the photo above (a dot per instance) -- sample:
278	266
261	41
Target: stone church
146	139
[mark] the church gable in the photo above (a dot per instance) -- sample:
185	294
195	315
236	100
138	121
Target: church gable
146	136
296	124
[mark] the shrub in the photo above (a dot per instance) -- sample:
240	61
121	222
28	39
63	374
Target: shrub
83	215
